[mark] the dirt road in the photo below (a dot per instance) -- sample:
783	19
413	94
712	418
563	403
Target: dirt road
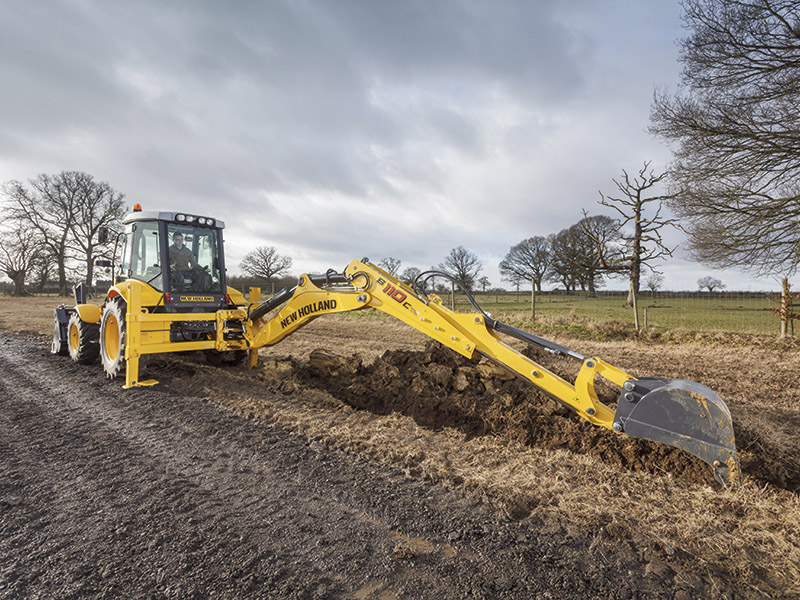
154	493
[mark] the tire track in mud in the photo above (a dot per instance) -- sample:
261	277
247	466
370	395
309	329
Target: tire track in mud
153	493
102	471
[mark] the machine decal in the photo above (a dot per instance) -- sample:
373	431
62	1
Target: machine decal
196	298
394	293
307	310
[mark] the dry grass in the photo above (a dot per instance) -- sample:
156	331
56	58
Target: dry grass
30	314
748	538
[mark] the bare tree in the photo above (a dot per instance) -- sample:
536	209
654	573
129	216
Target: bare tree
41	269
598	242
463	265
390	265
99	207
66	211
484	283
654	283
18	251
642	240
573	259
565	262
710	283
49	207
409	275
529	260
735	128
265	262
515	279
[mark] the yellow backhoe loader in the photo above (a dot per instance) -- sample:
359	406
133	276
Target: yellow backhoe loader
170	295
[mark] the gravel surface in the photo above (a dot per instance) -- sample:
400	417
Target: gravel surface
153	493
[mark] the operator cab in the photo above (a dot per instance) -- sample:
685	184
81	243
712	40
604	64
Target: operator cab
178	254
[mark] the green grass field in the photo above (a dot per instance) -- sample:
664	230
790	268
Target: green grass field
745	313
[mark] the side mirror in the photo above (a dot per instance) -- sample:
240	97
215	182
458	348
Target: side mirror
102	235
102	262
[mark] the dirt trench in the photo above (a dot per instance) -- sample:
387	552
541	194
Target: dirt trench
439	388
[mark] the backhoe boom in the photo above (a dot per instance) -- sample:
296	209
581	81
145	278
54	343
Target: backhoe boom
676	412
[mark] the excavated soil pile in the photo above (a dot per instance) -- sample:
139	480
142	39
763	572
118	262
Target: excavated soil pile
439	388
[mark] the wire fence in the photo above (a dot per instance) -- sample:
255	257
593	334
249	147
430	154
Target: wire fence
740	312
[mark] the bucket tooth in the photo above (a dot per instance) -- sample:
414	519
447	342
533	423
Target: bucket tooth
684	414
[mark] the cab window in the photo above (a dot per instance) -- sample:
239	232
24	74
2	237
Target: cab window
145	255
193	259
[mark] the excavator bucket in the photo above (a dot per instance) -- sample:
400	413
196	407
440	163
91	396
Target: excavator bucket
684	414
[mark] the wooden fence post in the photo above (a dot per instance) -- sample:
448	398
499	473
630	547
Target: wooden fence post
785	306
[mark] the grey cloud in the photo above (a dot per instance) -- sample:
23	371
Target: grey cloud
414	126
297	74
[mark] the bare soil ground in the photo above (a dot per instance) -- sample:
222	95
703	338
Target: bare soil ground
400	473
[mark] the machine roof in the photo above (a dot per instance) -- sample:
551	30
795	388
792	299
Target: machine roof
155	215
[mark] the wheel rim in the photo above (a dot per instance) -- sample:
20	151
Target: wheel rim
74	336
111	338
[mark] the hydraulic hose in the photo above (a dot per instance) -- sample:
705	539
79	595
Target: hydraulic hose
419	288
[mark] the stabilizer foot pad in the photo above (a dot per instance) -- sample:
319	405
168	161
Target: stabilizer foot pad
144	383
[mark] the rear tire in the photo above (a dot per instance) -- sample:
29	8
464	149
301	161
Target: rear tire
82	340
59	346
113	329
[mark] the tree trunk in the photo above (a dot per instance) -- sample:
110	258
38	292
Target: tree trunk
632	294
18	278
452	296
62	277
89	272
636	260
785	306
533	300
60	250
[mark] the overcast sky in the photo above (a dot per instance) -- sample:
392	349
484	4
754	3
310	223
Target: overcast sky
337	129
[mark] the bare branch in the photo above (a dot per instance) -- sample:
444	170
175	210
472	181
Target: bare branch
736	129
266	263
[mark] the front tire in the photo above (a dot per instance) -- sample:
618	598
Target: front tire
113	329
82	340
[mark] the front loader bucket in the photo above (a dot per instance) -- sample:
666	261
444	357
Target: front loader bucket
683	414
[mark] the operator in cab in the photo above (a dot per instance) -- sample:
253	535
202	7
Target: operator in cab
184	265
